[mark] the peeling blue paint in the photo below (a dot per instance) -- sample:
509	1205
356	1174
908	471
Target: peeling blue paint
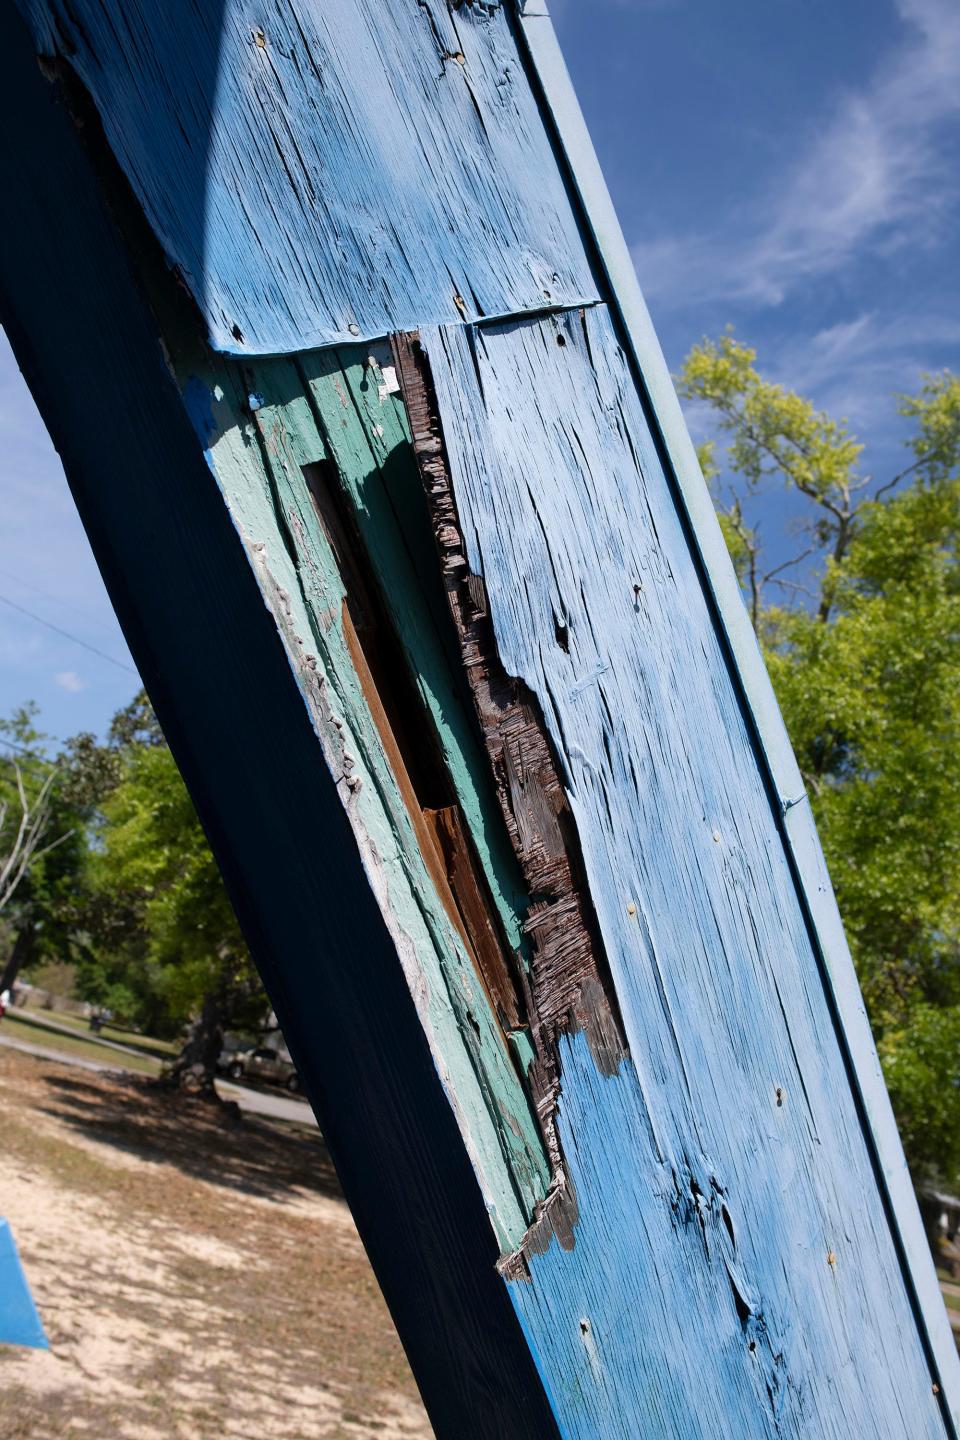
301	208
732	1251
331	170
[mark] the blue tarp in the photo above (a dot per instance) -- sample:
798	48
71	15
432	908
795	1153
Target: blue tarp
20	1323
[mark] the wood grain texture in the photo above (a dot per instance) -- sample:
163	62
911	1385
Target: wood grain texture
324	169
734	1272
259	460
301	207
562	112
209	651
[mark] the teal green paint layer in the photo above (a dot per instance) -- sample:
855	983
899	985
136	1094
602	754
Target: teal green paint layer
258	462
365	425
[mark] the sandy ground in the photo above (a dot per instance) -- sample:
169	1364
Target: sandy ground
197	1278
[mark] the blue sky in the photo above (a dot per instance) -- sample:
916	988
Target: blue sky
789	168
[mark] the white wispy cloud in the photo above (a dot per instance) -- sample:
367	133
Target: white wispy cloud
69	680
863	360
876	178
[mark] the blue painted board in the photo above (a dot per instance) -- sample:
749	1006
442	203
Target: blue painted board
565	118
20	1322
734	1272
324	171
302	207
220	678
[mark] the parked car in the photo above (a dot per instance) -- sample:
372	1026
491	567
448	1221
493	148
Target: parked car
262	1064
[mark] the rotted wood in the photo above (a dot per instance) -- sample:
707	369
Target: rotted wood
567	984
534	934
413	749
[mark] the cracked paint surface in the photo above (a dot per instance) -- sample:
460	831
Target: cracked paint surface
258	461
722	1167
321	173
301	209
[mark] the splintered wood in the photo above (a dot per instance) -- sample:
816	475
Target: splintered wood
566	984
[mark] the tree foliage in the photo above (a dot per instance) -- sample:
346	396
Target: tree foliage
131	897
41	919
860	627
153	861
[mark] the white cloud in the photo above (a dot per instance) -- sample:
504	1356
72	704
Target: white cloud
69	680
876	178
855	368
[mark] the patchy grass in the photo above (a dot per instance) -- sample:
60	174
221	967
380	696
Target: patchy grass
199	1275
85	1048
162	1049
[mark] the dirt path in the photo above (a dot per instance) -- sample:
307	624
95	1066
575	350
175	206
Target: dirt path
197	1279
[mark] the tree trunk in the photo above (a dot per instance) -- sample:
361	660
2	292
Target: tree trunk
21	953
195	1068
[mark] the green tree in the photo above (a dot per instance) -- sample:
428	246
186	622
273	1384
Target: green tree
860	628
130	894
55	916
181	940
42	848
111	944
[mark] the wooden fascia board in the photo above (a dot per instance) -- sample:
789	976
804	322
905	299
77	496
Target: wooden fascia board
774	748
217	671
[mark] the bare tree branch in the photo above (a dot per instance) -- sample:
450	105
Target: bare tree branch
901	475
795	585
777	569
26	845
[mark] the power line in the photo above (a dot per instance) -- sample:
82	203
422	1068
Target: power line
54	599
13	745
67	635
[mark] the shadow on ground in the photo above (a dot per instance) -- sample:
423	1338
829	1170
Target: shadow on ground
252	1156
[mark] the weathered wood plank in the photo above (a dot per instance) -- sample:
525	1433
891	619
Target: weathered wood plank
260	460
302	208
546	62
210	653
733	1260
728	1266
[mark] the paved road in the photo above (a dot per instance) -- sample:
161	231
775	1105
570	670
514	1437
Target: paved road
265	1102
253	1102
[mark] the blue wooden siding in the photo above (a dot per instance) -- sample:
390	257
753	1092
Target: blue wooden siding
776	755
732	1254
217	670
320	170
327	170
